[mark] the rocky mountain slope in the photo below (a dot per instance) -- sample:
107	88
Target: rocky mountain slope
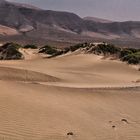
63	26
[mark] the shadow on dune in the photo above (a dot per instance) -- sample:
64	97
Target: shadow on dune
13	74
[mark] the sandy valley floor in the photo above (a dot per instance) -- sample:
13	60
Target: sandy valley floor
44	99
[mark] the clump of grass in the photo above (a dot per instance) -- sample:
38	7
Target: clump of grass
48	50
30	46
9	51
106	49
132	58
77	46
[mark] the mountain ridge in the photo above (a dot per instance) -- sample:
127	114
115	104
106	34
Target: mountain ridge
59	25
96	19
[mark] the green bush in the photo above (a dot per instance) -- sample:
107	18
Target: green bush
14	45
9	51
106	49
29	46
133	50
48	50
133	58
66	50
77	46
125	52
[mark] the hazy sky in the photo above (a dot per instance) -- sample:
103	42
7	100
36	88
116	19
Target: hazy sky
109	9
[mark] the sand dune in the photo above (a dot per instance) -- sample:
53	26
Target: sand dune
12	74
44	99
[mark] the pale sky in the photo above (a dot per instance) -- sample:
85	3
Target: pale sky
119	10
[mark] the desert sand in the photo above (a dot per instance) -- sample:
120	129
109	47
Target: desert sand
92	97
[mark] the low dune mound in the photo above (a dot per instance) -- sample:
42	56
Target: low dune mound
13	74
4	31
9	51
30	54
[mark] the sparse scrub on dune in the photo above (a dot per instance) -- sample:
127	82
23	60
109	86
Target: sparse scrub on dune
130	55
106	49
30	46
101	48
66	50
12	44
75	47
133	58
9	51
125	52
48	50
53	51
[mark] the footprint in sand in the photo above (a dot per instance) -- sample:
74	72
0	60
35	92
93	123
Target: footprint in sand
70	135
122	120
113	126
125	121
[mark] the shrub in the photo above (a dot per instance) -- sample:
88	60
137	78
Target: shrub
66	50
48	50
57	53
125	52
14	45
30	46
106	49
133	58
133	50
9	51
76	47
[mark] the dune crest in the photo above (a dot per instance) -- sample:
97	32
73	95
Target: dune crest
13	74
